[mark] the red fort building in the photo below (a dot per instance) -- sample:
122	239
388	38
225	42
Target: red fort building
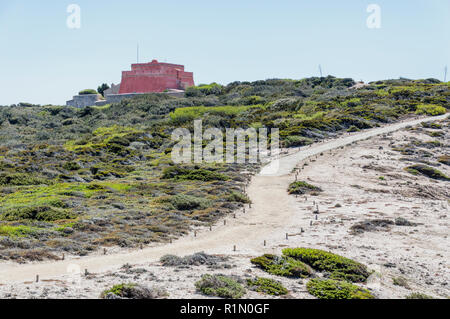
155	77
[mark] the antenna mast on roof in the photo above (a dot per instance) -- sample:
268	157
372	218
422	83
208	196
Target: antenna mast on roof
137	53
445	74
320	70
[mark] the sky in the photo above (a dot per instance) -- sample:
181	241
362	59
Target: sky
43	61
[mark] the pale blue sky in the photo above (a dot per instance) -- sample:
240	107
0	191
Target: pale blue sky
42	61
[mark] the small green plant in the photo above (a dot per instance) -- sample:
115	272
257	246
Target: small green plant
353	128
220	286
87	92
335	289
16	231
199	174
71	166
418	295
238	197
430	109
400	281
339	267
300	188
427	171
133	291
187	202
282	266
267	286
20	179
40	213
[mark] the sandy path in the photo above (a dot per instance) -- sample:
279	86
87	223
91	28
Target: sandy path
268	217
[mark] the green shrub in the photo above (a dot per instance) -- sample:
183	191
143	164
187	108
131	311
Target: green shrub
353	128
335	289
400	281
418	295
204	89
220	286
430	109
427	171
187	202
267	286
71	166
300	188
294	141
87	92
238	197
282	266
20	179
339	267
431	125
179	173
16	231
40	213
186	114
133	291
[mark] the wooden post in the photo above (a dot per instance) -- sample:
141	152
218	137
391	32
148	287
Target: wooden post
63	257
287	236
310	223
265	243
234	248
225	222
37	278
210	228
316	217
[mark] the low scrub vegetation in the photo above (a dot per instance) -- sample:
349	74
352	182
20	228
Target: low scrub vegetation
282	266
427	171
220	286
197	259
430	109
87	91
339	267
199	174
267	286
107	171
132	291
335	289
418	295
301	188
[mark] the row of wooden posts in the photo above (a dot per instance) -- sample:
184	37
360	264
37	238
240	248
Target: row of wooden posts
316	212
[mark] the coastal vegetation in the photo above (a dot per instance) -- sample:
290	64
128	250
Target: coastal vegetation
78	180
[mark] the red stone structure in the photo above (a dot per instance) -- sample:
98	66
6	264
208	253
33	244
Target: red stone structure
155	77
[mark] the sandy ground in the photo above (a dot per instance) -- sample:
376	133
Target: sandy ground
419	254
